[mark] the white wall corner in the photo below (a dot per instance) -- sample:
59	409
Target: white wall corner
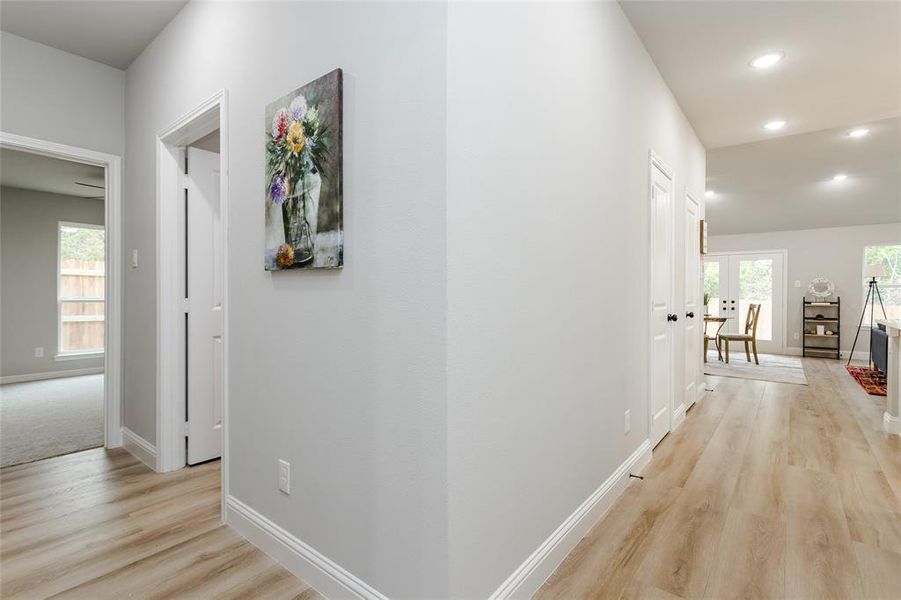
532	573
326	576
140	448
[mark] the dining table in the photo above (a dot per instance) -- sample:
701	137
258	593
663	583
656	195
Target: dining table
721	321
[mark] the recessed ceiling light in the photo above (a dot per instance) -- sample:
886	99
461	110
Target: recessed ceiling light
765	61
859	132
840	177
710	194
774	125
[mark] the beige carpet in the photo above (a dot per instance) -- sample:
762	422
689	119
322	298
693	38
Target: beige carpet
39	419
772	367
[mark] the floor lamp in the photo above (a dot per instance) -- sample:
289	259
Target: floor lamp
871	272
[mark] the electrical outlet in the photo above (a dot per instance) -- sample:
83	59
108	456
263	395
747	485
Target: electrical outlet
284	476
795	336
797	283
39	352
627	422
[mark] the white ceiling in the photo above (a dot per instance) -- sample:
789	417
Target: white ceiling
108	31
787	184
841	64
44	174
842	69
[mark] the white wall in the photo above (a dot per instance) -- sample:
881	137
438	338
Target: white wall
342	373
835	253
55	96
29	233
552	108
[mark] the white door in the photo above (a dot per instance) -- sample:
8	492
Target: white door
203	294
694	310
734	281
662	315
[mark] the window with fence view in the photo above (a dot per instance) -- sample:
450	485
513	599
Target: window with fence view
82	278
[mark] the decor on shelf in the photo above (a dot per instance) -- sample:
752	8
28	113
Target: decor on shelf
820	287
304	177
821	329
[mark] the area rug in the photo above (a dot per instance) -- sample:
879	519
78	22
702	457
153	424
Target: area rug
872	381
40	419
772	367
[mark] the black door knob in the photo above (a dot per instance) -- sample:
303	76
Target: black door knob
672	317
690	315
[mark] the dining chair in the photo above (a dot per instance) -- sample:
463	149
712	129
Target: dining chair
749	337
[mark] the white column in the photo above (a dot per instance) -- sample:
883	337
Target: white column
891	420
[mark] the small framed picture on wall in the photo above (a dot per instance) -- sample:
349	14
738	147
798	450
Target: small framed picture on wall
703	230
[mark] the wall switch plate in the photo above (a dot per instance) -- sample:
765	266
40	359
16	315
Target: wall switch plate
627	424
795	336
797	283
39	352
134	258
284	476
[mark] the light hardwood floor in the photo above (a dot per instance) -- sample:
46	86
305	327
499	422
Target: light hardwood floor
99	524
767	490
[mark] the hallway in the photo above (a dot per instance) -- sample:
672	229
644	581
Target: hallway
766	490
100	524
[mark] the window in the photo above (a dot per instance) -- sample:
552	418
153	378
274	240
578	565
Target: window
81	284
889	256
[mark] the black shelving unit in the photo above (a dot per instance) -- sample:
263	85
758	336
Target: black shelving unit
828	314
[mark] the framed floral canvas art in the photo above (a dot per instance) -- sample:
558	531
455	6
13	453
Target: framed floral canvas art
304	179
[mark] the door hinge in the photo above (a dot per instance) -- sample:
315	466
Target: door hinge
187	429
186	305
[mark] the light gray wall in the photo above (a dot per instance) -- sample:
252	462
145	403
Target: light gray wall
552	108
28	277
835	253
52	95
342	373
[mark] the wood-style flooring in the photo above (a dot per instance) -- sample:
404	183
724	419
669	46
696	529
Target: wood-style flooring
99	524
767	490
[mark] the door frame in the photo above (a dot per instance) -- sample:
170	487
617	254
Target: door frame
784	316
112	211
654	159
692	249
208	116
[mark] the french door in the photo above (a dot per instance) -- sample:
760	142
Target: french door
732	282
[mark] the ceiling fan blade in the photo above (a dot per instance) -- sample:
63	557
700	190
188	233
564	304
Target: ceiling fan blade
99	187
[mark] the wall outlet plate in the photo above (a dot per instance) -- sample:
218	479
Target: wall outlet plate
284	476
627	422
39	352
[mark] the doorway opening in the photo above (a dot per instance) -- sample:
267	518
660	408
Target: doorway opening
192	289
61	365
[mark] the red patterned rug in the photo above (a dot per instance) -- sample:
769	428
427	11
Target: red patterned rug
871	380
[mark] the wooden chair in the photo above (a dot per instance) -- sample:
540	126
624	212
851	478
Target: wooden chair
749	337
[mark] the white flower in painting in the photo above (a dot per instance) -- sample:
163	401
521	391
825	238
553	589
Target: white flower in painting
298	107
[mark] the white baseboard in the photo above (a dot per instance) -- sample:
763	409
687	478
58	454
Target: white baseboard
890	423
532	573
141	448
49	375
304	561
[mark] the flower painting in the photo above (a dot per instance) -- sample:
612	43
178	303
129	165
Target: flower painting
304	196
